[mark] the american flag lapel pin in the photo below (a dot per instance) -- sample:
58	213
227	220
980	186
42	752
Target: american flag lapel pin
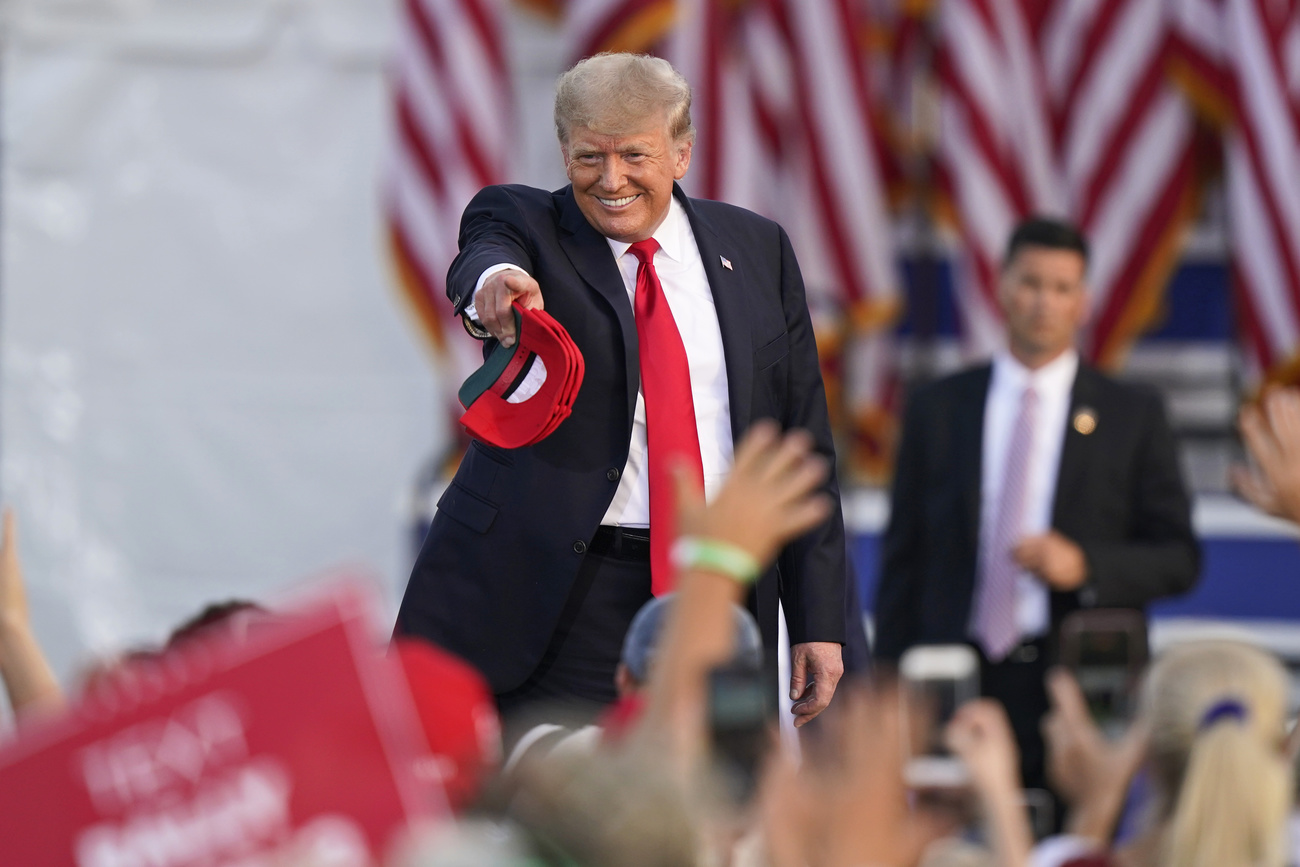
726	263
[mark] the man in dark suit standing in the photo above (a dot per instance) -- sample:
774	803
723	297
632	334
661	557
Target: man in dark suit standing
690	316
1027	488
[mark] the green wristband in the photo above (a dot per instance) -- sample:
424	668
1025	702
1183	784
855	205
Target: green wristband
713	555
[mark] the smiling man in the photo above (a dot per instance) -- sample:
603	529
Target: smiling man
1027	488
690	316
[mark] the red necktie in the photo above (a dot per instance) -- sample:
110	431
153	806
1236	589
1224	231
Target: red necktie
671	434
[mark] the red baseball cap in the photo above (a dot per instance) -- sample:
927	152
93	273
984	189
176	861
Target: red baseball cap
489	414
459	718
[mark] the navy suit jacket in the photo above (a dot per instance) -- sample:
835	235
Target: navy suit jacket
1119	496
511	530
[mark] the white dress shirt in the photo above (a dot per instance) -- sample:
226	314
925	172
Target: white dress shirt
1053	383
686	289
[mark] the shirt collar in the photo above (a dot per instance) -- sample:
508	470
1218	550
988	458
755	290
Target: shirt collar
671	234
1055	377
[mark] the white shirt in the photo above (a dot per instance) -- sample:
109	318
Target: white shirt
686	289
1052	382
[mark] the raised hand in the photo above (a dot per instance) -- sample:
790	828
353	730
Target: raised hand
847	805
980	734
1090	773
770	497
1270	430
28	679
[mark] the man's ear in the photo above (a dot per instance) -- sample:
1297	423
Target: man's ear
1085	305
683	159
1002	290
624	682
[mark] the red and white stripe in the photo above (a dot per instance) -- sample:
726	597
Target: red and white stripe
1066	109
1262	44
593	26
833	98
453	114
845	242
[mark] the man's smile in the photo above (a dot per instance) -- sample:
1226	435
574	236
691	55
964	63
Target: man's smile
618	203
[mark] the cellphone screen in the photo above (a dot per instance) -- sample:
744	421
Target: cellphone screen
1105	667
938	680
737	700
936	701
740	712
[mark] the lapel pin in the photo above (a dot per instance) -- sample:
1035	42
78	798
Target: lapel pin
726	263
1085	420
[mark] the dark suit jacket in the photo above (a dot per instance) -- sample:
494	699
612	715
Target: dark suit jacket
511	529
1119	496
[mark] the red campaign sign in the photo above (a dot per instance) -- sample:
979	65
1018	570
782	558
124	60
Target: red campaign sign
295	746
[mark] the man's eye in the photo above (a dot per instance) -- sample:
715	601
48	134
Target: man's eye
589	159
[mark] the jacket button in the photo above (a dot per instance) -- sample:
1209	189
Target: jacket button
612	474
579	547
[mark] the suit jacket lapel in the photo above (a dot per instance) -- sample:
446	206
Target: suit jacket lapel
968	439
589	252
1075	447
728	288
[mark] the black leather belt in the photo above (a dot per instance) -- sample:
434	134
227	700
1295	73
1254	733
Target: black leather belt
1029	651
621	543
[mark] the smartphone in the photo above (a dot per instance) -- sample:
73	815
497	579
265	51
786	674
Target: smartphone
742	706
937	679
1042	812
1106	651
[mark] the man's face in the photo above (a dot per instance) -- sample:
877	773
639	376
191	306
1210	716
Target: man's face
1045	300
624	183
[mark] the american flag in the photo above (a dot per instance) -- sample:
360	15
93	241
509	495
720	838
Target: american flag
453	114
1242	59
1066	108
593	26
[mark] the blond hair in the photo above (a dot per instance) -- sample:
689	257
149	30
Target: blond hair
614	94
1217	711
613	808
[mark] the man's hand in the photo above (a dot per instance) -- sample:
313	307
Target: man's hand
772	495
24	672
1055	559
846	803
13	594
495	297
1089	773
980	735
1271	431
815	670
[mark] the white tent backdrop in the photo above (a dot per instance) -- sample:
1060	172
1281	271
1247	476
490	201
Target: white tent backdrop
208	387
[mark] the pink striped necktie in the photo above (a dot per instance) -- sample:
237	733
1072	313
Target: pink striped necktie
995	600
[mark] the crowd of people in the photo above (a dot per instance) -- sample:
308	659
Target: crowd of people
588	628
1202	777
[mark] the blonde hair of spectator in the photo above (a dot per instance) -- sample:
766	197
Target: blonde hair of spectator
1223	788
955	852
613	94
610	808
